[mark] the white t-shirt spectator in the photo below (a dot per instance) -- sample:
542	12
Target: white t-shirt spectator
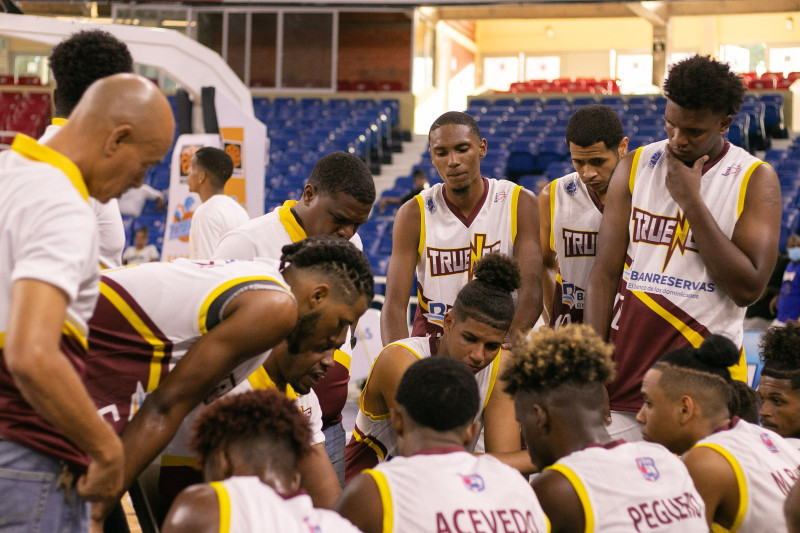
134	256
211	220
132	202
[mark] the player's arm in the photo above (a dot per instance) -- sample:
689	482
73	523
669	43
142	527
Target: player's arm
400	274
385	377
528	254
501	432
50	384
549	259
239	336
361	503
612	245
743	264
791	509
195	510
318	478
715	480
560	502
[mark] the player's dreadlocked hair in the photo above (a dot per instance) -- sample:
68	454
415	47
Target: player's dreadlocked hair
81	60
343	172
780	352
251	421
701	373
595	123
439	393
458	118
700	82
573	354
487	297
336	258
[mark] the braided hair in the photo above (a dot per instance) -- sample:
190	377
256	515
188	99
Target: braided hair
780	353
337	259
487	297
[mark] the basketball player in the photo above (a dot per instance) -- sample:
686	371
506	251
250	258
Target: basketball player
779	385
166	336
689	237
591	482
450	227
209	171
791	509
473	334
249	446
336	200
51	439
570	209
76	63
437	485
742	471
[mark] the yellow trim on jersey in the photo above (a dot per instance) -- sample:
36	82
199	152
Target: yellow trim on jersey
58	121
2	339
743	187
224	506
634	165
366	383
224	287
142	329
370	441
79	334
178	460
421	245
29	148
547	523
553	189
343	358
738	371
289	222
493	377
514	204
386	498
577	484
741	482
260	380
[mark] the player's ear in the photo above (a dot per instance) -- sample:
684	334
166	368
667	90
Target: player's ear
116	138
725	124
309	193
295	483
449	320
687	408
482	148
541	418
318	295
470	432
622	149
398	422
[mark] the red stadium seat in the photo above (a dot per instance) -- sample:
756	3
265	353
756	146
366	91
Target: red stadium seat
364	86
29	80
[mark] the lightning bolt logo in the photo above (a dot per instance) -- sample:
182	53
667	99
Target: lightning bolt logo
679	238
476	251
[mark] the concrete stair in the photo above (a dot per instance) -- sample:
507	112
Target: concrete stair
402	163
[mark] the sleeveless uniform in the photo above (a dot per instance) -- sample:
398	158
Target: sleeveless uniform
452	490
247	505
374	439
450	244
651	489
666	298
265	236
575	214
148	316
766	468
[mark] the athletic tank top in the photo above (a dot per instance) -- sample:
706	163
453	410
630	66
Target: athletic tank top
633	487
374	439
450	245
766	468
666	298
452	490
575	214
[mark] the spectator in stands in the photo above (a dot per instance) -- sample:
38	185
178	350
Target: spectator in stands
132	202
248	446
677	260
786	304
140	251
57	448
77	62
209	171
419	185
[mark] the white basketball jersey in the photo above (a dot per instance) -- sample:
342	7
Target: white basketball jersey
575	214
450	245
766	468
793	442
634	487
456	491
318	520
375	429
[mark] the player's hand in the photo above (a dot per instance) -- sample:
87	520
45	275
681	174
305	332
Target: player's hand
683	183
104	477
606	407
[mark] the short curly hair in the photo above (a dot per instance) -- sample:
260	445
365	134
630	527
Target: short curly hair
216	162
250	418
81	60
458	118
336	258
487	297
573	354
593	124
780	353
342	172
700	82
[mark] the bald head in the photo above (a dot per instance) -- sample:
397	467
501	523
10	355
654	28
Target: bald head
122	126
